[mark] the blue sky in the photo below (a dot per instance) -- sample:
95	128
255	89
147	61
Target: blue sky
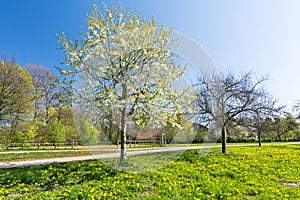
262	36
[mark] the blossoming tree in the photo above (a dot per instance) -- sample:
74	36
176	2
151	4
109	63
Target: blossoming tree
126	67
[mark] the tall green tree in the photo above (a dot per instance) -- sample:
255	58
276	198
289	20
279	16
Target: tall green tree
181	132
126	66
15	97
284	125
90	135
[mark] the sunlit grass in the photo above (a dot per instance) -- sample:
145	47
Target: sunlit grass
243	173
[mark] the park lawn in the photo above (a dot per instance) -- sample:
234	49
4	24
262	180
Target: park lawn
31	155
242	173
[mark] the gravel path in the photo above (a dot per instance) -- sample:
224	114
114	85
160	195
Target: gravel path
130	152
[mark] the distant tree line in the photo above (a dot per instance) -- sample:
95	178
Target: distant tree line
36	106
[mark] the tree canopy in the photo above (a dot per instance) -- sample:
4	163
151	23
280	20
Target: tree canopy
231	100
16	90
126	67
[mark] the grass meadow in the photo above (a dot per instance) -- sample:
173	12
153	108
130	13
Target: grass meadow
268	172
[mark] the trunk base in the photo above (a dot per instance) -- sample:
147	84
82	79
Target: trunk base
123	156
224	140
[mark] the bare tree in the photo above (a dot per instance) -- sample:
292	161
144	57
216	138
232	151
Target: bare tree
228	99
261	121
45	98
296	109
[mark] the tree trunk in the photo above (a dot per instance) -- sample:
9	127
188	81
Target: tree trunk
123	147
285	135
123	137
13	127
279	137
224	139
123	128
59	114
259	139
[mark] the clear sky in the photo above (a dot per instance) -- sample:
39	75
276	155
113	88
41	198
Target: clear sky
262	36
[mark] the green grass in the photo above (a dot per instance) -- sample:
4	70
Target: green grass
33	148
40	155
243	173
204	144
